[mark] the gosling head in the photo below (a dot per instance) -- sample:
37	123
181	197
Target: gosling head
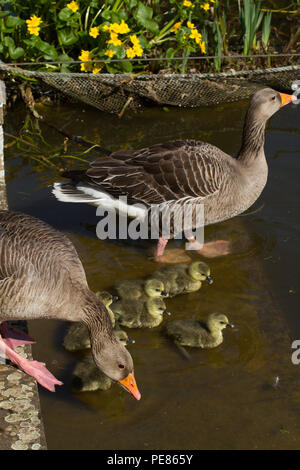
156	307
155	288
266	102
216	322
107	298
200	271
122	336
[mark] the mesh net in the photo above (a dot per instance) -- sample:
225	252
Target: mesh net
112	93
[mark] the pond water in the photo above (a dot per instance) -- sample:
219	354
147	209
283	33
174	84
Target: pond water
226	398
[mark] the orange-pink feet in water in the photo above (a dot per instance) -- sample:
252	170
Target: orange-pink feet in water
208	250
13	338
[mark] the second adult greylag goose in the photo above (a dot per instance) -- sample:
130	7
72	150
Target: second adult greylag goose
41	277
182	174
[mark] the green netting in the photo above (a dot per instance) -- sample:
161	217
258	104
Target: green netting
111	93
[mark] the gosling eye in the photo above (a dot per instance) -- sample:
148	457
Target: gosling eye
121	366
222	322
157	290
160	308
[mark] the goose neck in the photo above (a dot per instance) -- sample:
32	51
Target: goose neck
253	138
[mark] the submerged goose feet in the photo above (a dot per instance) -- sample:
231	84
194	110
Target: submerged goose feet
35	369
213	249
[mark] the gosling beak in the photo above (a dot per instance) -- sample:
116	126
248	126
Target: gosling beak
115	298
164	293
130	385
285	99
230	325
130	341
209	280
166	312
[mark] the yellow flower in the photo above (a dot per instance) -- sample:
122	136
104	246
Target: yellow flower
109	52
114	40
97	68
94	32
138	50
187	3
105	27
121	28
73	6
205	6
176	27
85	55
190	25
202	47
130	53
195	34
134	39
33	25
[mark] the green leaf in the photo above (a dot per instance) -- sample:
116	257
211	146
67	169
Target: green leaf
65	14
13	21
49	51
67	36
14	52
132	4
143	15
119	52
4	13
126	66
106	15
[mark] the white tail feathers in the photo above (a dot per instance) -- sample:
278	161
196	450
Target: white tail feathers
83	193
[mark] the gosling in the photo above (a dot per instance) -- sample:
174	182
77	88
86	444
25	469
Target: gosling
139	314
182	278
140	289
199	334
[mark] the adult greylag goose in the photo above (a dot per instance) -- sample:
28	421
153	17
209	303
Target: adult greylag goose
182	173
200	334
41	276
183	278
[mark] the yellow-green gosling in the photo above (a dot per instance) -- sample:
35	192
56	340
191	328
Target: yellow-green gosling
139	314
199	334
183	278
140	289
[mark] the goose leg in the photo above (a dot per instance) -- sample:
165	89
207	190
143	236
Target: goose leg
13	337
212	249
171	256
34	368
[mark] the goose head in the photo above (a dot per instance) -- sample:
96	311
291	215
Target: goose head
200	271
216	322
156	307
266	102
109	354
155	288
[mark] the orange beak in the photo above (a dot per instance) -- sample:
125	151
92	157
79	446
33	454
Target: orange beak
285	99
130	385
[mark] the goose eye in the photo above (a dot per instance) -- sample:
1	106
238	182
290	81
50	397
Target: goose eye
273	98
121	366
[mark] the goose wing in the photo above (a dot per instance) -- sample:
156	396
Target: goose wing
162	173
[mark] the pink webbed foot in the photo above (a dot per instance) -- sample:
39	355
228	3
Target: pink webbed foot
13	337
35	369
173	256
212	249
170	256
